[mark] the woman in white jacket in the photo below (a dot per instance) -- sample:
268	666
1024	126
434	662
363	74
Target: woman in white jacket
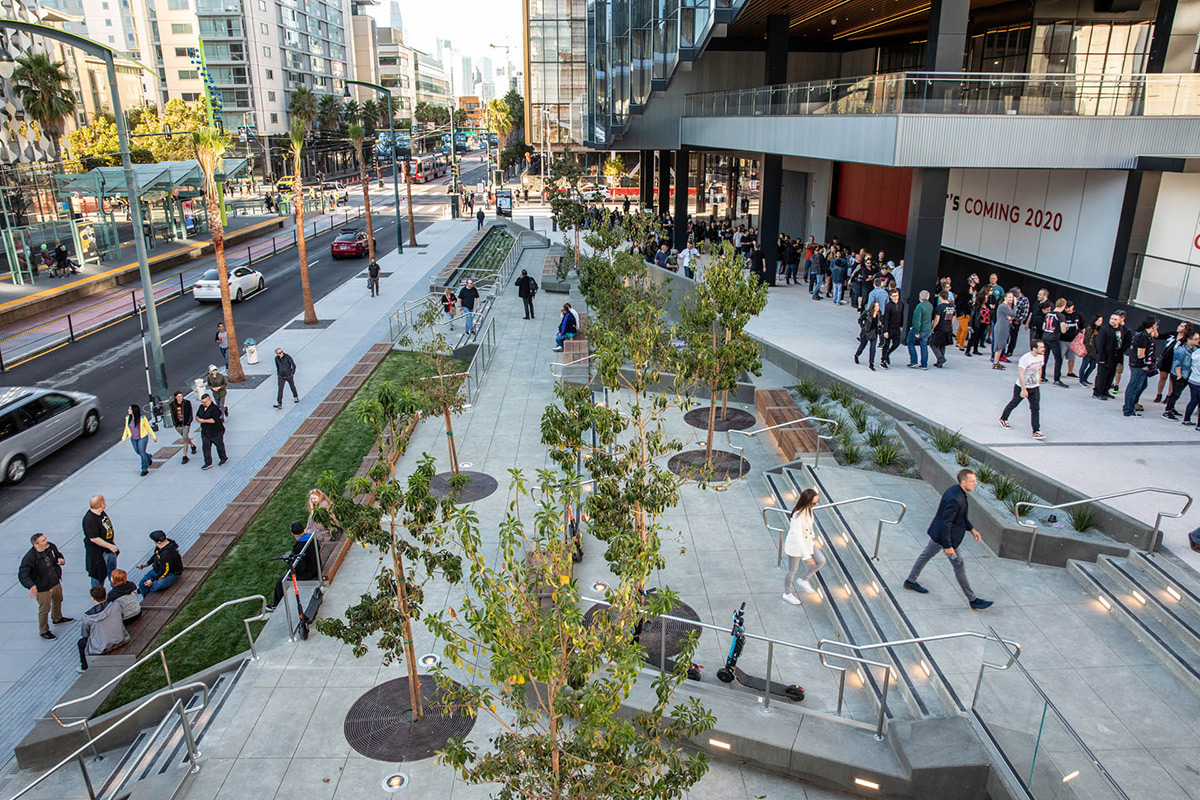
801	546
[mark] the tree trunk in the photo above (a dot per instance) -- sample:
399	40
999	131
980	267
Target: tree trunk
235	373
410	654
712	424
412	224
450	443
310	311
367	210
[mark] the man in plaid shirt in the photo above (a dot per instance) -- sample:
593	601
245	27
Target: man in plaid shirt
1020	317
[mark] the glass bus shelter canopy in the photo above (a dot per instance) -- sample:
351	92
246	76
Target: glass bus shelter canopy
151	179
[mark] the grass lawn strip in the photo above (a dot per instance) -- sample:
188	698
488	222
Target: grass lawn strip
246	568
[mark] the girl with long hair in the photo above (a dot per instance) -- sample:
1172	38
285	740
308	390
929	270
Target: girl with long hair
139	433
800	547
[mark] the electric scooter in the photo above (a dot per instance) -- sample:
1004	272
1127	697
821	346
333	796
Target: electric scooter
305	616
730	671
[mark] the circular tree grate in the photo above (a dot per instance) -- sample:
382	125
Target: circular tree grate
735	419
652	630
379	724
725	466
480	486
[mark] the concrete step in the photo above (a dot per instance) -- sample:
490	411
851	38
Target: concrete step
1144	593
1172	644
1175	581
928	693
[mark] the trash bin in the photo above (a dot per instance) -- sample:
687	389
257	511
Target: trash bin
251	351
201	387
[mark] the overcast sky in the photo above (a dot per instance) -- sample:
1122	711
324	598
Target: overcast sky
471	25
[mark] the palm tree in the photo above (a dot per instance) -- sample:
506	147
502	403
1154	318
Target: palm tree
44	88
329	112
303	104
299	133
211	145
356	139
370	116
500	120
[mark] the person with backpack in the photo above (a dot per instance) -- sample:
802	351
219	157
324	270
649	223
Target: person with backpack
1053	326
526	290
980	320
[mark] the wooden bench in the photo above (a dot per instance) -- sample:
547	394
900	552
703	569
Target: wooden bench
777	407
550	267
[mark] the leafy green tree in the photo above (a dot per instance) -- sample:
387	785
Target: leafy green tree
44	88
514	154
369	112
329	112
351	112
614	167
499	120
210	145
714	317
439	393
566	202
401	520
356	141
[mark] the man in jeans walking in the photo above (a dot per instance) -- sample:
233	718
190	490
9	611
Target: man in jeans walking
1142	362
918	331
1029	387
41	574
946	532
285	373
467	297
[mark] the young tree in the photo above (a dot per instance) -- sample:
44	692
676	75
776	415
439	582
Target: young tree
299	132
714	317
439	393
210	145
565	198
402	521
356	139
614	167
44	88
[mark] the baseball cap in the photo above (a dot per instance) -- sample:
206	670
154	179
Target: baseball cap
212	367
158	536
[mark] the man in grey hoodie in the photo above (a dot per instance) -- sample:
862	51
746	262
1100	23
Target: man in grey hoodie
102	629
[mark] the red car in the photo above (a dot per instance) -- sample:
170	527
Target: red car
349	242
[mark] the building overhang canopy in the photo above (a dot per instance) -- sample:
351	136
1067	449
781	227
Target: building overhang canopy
150	179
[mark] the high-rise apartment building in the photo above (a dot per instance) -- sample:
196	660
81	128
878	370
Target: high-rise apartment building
397	70
555	70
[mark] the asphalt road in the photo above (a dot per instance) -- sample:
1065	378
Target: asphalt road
109	363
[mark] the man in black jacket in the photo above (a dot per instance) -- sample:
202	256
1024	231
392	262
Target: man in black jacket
1107	355
526	288
181	419
41	574
165	565
893	322
303	560
947	530
212	431
285	373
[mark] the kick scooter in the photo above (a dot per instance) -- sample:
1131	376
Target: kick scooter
730	671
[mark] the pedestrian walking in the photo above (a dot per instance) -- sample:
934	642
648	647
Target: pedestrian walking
285	374
949	527
526	289
449	302
1108	350
1142	362
139	433
869	326
165	565
373	278
1028	387
181	419
100	549
41	573
102	629
479	216
222	340
893	322
218	384
1181	372
943	331
468	296
212	431
919	329
800	547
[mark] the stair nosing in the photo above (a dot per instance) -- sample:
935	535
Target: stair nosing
1159	607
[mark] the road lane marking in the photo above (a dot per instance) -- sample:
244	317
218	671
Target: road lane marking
178	336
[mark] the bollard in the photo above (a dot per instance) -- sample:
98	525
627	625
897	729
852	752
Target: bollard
182	289
531	222
70	329
553	224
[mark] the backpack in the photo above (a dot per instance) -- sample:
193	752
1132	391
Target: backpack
985	316
533	287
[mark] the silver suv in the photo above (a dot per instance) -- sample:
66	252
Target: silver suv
34	423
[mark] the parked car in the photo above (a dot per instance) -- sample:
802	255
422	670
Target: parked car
35	423
243	282
350	242
340	194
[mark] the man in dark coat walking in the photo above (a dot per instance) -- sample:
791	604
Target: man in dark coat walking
946	532
285	373
1107	356
526	288
212	431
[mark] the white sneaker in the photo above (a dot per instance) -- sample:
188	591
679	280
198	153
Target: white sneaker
791	598
806	586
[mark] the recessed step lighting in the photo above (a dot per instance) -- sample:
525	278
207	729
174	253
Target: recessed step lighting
1104	602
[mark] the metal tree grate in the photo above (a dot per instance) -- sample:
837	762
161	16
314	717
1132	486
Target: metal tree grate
379	725
652	633
735	419
480	486
690	464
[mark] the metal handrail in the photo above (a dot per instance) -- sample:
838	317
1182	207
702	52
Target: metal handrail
160	651
1099	765
563	366
741	450
771	642
177	707
1154	534
878	528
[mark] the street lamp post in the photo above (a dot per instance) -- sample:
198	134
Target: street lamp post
135	207
395	165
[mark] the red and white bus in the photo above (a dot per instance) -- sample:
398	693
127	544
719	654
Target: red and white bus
426	168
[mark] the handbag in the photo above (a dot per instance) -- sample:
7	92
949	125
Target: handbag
1077	345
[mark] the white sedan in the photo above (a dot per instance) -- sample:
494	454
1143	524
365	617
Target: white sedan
243	282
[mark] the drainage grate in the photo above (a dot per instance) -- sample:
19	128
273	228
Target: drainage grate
735	419
298	325
690	465
481	485
379	725
251	382
652	631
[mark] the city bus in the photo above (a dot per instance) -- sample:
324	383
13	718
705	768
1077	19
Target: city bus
427	167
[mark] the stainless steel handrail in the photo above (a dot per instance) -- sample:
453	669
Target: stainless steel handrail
1096	762
752	434
160	651
177	707
878	529
771	642
1154	535
563	366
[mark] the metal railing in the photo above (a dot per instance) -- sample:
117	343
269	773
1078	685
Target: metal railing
1166	285
752	434
562	367
177	708
1003	94
782	532
1154	534
160	651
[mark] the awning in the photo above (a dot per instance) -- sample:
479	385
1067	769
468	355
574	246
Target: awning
161	178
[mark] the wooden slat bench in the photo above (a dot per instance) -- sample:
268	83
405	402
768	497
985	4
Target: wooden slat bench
460	258
776	407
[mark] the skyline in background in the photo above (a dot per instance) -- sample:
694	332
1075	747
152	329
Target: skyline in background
471	25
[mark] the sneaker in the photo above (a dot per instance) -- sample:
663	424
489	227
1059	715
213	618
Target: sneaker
913	586
913	366
207	466
806	586
145	472
1187	422
1138	407
185	459
279	405
48	635
193	449
1072	375
1004	423
979	604
1039	435
1061	385
63	620
856	360
871	367
791	598
270	608
924	367
884	364
295	399
1158	398
222	462
557	350
1170	415
80	670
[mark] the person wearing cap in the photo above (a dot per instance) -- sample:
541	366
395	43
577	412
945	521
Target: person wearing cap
212	431
165	565
217	386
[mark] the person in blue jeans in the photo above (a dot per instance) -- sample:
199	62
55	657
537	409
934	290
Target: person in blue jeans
139	433
165	565
1141	362
566	328
837	272
919	330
